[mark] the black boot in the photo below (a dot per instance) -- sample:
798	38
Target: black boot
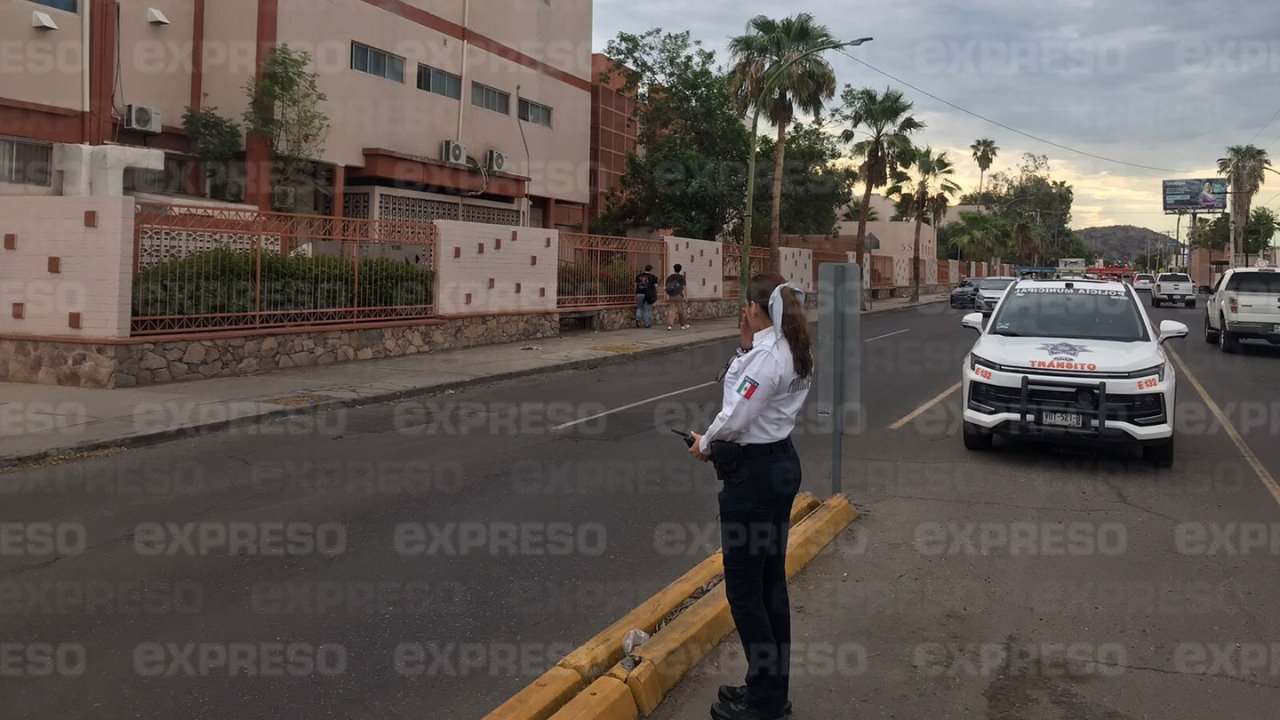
738	694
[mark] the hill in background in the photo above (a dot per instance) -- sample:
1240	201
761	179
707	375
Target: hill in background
1121	242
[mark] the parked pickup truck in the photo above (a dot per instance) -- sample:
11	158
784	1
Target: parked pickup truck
1174	288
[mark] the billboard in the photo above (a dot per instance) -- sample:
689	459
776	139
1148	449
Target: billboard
1205	195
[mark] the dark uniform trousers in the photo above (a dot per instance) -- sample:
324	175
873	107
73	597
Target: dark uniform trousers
755	516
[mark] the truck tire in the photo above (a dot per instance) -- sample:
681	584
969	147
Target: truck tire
1227	340
1210	335
1155	301
975	438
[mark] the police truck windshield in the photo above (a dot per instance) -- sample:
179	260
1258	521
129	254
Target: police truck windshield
1080	313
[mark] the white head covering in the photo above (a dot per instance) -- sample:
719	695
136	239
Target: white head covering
775	304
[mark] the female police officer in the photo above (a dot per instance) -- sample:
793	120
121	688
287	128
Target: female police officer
749	442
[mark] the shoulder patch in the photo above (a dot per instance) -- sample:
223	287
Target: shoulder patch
747	387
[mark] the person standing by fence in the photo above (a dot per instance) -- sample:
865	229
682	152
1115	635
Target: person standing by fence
646	296
677	314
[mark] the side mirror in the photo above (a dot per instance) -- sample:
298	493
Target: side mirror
1170	329
973	321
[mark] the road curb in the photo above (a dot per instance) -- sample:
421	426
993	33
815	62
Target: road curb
179	433
674	649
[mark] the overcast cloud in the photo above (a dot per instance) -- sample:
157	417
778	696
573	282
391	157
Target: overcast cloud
1163	83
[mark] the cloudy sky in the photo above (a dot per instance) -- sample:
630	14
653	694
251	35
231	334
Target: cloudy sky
1161	83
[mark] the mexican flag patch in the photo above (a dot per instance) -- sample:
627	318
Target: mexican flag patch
747	387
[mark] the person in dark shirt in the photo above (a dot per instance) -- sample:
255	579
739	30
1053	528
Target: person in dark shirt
646	296
676	284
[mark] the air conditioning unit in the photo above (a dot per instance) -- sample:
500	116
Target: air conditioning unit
497	161
142	118
284	198
453	152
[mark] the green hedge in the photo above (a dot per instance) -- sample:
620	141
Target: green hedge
222	281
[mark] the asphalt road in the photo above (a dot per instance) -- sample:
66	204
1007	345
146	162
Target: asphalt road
430	557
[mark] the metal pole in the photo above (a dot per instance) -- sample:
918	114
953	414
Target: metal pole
837	412
745	270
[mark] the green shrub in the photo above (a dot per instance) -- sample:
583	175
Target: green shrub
223	281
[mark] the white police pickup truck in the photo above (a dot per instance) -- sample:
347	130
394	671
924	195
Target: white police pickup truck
1071	360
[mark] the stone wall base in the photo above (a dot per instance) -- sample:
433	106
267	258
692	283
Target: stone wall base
663	314
150	363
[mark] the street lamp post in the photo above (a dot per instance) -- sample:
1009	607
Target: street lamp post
745	269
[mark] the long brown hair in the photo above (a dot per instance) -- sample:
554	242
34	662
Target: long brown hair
795	324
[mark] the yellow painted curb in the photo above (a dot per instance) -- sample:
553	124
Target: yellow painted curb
540	699
809	537
670	654
601	652
604	699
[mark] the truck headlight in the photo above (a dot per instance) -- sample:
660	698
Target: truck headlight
1157	370
976	360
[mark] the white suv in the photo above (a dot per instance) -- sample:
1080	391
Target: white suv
1244	303
1071	360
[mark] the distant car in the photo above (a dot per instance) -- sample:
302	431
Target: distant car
1244	304
1174	288
1071	360
1143	281
990	290
963	295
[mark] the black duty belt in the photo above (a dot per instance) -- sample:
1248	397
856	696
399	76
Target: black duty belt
780	447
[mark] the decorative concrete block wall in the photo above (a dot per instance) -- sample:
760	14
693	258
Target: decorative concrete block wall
703	266
797	267
494	269
66	266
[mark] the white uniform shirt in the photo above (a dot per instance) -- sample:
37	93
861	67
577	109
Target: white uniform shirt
762	395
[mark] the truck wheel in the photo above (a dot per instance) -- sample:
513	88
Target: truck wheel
1155	301
1210	335
1227	340
975	438
1159	455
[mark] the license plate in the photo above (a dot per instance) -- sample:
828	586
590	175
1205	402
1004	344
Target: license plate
1061	419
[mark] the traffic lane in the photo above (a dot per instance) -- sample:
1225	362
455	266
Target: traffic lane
1036	581
465	458
1245	385
483	457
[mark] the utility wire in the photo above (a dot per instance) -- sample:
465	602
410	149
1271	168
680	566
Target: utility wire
1002	125
1274	115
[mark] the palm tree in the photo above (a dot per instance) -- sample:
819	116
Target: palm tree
772	73
930	177
1245	167
854	211
984	152
979	235
887	122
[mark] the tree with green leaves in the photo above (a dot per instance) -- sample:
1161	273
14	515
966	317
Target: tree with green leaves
929	177
813	183
285	110
984	153
1245	167
216	141
885	121
980	236
690	176
854	211
772	73
1030	196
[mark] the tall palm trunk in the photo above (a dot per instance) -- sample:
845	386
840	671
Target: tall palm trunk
775	227
861	244
915	261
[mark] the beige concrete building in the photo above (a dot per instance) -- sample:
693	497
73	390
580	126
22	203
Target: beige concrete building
440	109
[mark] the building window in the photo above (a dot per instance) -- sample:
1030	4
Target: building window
377	62
68	5
439	82
490	98
26	163
534	113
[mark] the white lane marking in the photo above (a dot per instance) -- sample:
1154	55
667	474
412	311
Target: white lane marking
920	410
881	337
589	418
1252	459
632	405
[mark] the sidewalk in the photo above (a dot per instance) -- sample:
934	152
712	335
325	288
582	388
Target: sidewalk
43	420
